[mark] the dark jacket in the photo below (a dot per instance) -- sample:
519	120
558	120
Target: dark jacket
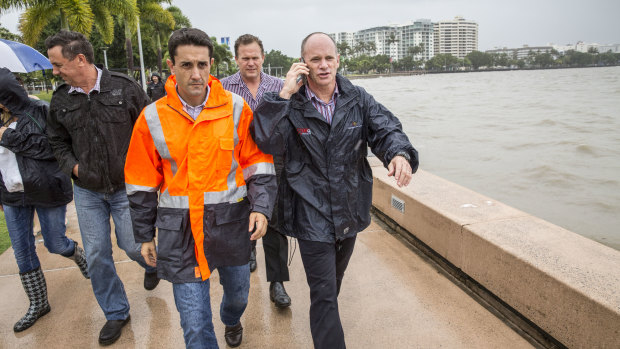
154	90
94	130
44	184
325	192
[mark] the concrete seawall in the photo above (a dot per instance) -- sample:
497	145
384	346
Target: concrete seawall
567	285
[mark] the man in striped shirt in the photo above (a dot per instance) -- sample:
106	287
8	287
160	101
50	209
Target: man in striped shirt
251	83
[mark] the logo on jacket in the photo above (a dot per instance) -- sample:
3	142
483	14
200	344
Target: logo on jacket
354	125
304	131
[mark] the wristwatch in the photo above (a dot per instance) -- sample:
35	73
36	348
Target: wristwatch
405	155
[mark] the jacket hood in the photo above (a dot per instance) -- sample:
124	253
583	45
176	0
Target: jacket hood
12	94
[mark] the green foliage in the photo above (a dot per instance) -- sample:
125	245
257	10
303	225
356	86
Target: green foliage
276	59
5	241
443	61
7	35
221	56
479	59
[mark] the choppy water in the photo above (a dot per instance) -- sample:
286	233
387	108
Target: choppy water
546	142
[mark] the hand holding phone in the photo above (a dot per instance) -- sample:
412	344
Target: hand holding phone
301	77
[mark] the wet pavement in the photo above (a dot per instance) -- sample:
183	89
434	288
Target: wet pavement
391	297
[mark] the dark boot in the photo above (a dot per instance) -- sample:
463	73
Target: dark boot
36	289
278	295
253	259
79	256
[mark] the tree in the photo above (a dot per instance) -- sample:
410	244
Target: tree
479	59
415	50
221	54
76	15
543	60
276	59
160	21
7	35
343	48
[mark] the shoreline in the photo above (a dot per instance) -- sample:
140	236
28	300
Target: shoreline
424	72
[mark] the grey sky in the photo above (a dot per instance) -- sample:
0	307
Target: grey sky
282	25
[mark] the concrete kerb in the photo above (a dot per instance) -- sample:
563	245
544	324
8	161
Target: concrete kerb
565	284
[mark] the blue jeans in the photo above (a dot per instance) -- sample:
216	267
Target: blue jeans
93	211
19	221
194	305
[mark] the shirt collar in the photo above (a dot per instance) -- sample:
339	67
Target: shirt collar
97	86
310	94
193	111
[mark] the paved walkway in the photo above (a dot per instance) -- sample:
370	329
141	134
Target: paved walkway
391	298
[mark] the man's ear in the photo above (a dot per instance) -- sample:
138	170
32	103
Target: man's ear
170	66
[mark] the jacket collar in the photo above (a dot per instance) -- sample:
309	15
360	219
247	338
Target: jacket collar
217	98
346	92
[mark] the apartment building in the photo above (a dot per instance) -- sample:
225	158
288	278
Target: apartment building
393	40
522	52
457	37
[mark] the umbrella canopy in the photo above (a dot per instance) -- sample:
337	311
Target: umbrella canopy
20	58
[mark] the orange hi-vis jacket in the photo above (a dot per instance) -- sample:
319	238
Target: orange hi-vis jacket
197	181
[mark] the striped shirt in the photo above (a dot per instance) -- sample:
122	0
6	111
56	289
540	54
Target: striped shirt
194	111
235	84
97	86
326	109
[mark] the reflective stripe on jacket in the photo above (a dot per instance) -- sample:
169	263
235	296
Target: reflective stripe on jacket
209	174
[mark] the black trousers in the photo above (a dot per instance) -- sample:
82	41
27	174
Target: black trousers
325	264
275	246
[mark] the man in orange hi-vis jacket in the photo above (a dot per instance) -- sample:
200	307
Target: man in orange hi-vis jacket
194	172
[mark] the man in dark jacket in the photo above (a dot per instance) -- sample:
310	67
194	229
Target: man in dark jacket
323	129
155	89
30	180
89	127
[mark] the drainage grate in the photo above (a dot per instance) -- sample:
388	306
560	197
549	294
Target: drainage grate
398	204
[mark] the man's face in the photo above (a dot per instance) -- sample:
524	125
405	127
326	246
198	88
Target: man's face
192	65
68	70
155	79
322	60
250	61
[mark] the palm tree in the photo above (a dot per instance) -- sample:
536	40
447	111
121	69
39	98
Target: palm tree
221	53
162	21
75	15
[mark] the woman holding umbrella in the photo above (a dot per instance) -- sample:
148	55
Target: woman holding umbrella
30	180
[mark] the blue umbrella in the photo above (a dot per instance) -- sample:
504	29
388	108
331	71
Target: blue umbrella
20	58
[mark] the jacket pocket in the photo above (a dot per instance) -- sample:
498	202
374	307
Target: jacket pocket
170	231
228	239
114	107
225	154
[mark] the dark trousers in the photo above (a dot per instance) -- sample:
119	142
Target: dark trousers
325	264
275	246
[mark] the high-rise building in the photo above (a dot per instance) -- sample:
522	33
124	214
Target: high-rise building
392	40
457	37
418	33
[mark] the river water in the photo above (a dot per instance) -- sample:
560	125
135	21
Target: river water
546	141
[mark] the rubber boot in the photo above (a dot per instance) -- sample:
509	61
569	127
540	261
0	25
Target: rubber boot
36	289
79	256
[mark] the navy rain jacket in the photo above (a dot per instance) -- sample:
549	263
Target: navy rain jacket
325	191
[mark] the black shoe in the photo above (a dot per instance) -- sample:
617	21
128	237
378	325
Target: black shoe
233	335
278	295
150	280
253	260
111	331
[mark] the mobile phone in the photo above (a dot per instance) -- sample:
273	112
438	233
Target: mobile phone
301	77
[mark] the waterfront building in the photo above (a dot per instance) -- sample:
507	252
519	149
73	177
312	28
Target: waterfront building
457	37
522	52
393	40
